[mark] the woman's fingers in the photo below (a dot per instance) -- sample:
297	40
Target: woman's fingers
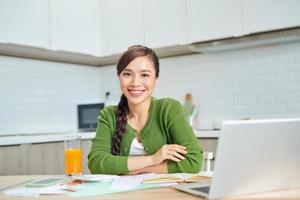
174	158
176	155
177	148
173	152
181	151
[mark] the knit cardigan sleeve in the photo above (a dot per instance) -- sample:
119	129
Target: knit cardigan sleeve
181	133
100	158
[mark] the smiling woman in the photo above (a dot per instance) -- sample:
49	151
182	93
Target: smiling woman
143	134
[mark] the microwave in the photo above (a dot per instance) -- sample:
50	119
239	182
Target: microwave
88	116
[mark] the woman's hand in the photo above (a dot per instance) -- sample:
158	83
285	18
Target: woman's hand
173	152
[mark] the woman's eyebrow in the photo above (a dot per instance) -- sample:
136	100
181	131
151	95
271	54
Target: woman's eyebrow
143	70
128	70
146	70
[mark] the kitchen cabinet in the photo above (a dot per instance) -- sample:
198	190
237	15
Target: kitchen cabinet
73	26
25	22
39	158
266	15
124	24
165	22
101	26
211	20
109	27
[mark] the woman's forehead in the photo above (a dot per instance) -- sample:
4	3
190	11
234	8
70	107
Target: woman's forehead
141	64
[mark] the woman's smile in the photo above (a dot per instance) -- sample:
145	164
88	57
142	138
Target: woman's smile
136	92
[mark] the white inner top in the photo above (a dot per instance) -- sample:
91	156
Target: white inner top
136	148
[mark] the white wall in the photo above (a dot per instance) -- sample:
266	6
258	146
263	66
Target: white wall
256	83
41	97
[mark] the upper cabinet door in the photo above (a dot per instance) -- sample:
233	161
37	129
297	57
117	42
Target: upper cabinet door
213	19
73	26
124	24
25	22
101	20
165	22
265	15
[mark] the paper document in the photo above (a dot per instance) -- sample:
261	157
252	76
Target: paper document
95	177
101	188
129	182
33	191
22	192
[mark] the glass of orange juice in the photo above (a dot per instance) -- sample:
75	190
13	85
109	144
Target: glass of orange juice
73	155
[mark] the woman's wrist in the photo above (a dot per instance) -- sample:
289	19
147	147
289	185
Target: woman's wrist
151	160
140	162
159	168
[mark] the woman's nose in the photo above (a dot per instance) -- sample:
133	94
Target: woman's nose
135	81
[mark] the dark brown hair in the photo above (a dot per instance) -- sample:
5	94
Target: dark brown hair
132	53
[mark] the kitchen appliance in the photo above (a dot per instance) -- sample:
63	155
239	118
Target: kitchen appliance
88	116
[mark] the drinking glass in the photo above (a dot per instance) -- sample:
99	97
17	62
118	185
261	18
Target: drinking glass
73	155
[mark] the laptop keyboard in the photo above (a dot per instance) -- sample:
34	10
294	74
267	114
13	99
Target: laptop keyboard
202	189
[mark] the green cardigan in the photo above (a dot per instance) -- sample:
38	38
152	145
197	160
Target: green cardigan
166	124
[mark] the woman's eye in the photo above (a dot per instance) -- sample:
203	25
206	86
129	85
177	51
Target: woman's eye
145	75
126	74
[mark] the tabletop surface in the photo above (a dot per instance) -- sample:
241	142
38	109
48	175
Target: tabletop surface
164	193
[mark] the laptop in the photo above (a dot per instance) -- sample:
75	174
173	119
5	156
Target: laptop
253	156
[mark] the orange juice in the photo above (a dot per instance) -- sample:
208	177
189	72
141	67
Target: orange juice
73	161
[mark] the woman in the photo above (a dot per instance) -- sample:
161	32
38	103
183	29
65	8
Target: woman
143	134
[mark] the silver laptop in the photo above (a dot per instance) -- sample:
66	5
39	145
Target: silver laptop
253	156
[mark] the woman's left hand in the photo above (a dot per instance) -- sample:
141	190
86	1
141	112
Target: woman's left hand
173	152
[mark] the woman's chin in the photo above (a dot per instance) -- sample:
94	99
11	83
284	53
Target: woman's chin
136	100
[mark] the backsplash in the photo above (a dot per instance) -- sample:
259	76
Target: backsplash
255	83
41	97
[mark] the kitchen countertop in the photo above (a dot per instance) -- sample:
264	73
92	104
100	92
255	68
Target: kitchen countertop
45	138
40	138
207	133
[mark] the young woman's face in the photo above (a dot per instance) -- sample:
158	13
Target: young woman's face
137	80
